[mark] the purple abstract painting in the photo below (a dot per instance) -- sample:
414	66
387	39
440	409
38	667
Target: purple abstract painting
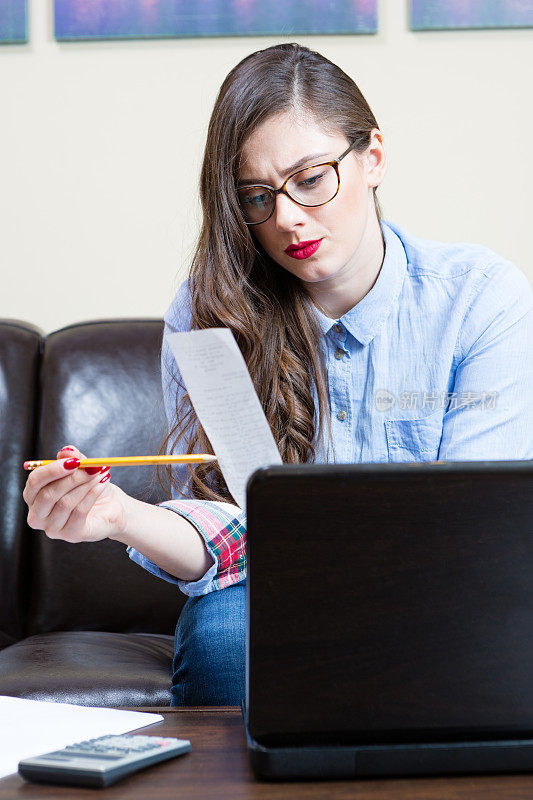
133	19
443	14
13	21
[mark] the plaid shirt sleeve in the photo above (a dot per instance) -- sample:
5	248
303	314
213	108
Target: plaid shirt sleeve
223	529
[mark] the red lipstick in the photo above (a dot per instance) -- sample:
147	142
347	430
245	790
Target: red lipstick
303	249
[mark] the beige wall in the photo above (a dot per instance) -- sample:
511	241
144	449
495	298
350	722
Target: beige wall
100	146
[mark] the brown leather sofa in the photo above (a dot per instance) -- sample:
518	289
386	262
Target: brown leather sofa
81	623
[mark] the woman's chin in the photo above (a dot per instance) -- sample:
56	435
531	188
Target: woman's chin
313	272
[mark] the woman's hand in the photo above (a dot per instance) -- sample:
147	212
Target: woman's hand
71	504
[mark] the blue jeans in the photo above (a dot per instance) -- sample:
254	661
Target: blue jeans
209	649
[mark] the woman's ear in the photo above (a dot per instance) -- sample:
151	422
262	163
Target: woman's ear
376	159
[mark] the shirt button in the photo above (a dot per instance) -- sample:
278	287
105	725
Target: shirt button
341	416
337	328
339	353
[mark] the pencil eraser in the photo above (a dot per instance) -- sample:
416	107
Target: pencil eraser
26	465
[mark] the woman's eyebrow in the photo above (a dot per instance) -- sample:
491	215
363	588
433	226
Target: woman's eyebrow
292	168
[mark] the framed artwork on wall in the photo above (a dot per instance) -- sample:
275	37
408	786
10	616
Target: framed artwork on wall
138	19
452	14
13	21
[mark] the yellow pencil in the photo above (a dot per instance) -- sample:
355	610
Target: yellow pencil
127	461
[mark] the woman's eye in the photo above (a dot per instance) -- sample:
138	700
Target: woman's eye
256	199
311	181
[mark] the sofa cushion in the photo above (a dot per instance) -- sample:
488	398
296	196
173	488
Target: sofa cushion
90	668
19	385
101	391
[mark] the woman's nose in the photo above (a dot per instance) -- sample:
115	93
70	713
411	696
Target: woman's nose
287	213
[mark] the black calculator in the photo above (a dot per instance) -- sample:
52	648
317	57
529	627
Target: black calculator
102	761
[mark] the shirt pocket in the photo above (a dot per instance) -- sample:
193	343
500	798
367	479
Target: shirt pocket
414	439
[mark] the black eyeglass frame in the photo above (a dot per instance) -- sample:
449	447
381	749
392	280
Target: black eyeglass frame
282	190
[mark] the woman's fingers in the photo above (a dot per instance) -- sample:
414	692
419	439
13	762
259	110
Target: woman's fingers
68	516
69	451
60	495
42	478
47	484
73	452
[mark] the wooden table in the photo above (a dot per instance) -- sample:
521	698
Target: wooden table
217	767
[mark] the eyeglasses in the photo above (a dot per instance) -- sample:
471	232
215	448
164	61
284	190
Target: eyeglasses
309	187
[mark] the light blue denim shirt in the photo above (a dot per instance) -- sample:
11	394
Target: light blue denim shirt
434	363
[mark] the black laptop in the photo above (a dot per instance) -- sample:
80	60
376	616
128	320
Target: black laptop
390	619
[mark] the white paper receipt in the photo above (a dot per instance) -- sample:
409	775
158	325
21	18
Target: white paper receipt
223	396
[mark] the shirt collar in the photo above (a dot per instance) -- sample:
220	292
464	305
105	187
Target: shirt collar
365	319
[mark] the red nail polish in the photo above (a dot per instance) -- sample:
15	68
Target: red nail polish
105	479
66	448
92	470
71	463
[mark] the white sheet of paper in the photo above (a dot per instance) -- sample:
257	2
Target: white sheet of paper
226	403
33	727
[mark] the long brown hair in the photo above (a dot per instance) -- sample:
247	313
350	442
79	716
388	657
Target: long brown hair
233	283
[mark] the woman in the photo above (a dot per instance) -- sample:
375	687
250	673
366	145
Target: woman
364	343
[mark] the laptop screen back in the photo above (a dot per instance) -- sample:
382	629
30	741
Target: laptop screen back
390	602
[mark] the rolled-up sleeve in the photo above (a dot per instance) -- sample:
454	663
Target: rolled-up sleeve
222	526
490	414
